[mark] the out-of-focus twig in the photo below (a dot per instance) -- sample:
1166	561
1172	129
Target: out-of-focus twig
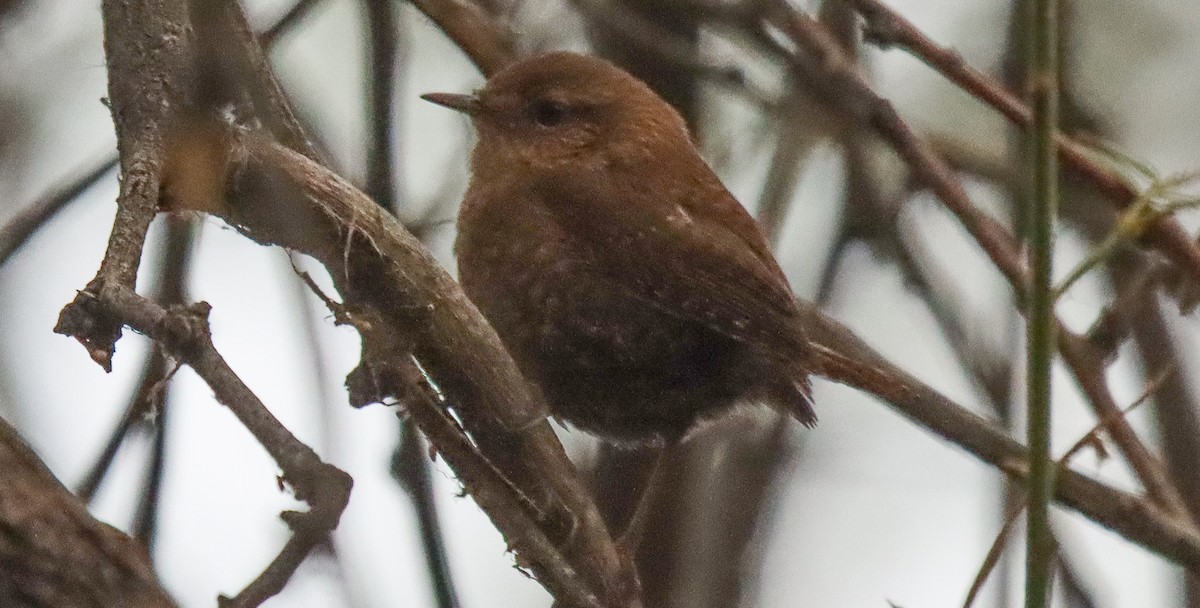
1176	402
383	54
171	290
242	68
20	228
845	358
17	231
656	41
488	44
410	466
845	88
994	553
885	27
287	21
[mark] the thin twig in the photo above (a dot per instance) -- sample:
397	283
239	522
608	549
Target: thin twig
381	85
184	333
792	148
399	297
171	289
843	357
626	32
1158	348
994	553
410	467
846	87
154	373
885	27
1091	438
487	43
26	222
294	15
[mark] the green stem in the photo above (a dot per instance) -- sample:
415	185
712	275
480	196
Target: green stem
1043	75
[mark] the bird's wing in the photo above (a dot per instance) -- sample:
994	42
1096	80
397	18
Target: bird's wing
690	250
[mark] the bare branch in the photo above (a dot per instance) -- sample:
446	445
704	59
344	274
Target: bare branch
845	358
400	300
487	43
29	219
55	554
847	89
886	28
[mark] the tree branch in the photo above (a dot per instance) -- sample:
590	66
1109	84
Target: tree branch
150	79
487	44
885	28
846	89
401	301
53	554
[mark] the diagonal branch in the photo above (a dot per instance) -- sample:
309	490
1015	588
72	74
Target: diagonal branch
885	27
488	44
148	51
56	554
184	333
843	357
401	301
847	89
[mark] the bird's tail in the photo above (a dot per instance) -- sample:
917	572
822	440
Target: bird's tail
794	394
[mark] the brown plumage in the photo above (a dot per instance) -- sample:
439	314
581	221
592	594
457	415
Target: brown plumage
625	279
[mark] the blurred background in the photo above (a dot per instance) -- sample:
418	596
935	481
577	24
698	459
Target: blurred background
864	510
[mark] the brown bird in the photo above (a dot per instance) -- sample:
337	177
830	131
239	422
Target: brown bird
626	281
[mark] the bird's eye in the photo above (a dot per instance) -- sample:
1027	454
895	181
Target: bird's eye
549	113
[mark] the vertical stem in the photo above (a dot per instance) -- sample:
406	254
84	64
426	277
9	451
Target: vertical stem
381	77
1043	83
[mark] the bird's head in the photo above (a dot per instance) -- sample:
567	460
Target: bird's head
565	109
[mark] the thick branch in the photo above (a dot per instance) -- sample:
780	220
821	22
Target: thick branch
492	492
53	554
183	332
149	60
401	301
145	44
843	357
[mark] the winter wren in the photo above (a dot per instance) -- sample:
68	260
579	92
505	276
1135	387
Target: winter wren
625	279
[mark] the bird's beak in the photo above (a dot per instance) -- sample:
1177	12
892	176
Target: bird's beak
467	104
